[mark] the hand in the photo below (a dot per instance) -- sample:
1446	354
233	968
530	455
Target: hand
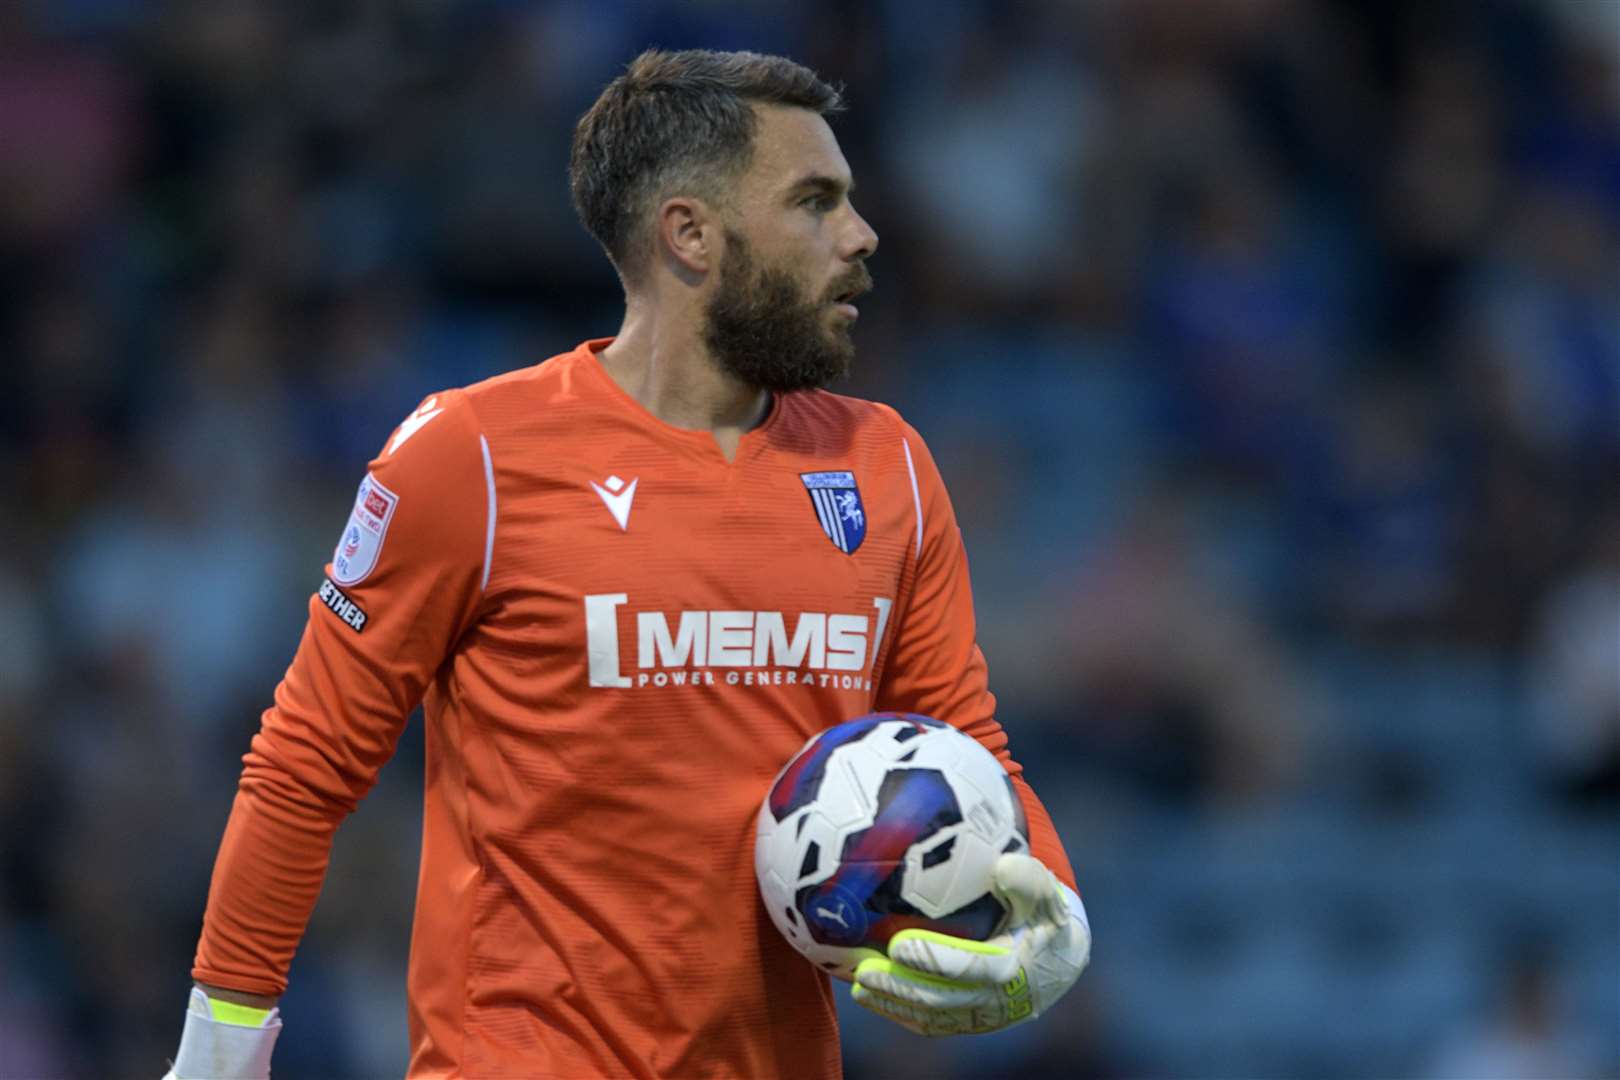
935	984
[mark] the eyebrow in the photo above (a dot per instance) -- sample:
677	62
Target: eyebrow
816	182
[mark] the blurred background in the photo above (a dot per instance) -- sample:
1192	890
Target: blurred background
1270	348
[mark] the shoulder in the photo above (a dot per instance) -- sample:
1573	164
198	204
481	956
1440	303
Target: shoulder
423	493
846	417
523	396
448	442
839	425
435	451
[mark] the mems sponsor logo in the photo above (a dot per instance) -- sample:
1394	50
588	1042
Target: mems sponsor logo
735	648
340	605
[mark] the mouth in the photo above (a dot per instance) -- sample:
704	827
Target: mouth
844	302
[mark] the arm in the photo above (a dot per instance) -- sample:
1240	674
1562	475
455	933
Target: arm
934	666
405	581
931	983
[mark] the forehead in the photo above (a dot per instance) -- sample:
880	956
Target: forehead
790	144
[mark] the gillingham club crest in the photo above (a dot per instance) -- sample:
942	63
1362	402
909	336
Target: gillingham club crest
837	502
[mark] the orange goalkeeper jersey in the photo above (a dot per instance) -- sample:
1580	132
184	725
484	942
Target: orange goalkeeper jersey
619	637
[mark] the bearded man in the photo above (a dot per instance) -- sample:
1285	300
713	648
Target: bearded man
627	584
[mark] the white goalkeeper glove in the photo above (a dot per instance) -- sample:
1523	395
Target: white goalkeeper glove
935	984
222	1041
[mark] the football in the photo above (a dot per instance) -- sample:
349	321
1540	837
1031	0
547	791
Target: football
884	823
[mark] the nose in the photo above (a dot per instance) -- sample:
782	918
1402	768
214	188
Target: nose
862	240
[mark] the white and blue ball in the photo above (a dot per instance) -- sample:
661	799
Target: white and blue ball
884	823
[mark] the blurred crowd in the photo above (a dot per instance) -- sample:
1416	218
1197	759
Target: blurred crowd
1270	349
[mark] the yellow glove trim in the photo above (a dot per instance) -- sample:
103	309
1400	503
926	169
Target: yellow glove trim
900	971
965	944
228	1012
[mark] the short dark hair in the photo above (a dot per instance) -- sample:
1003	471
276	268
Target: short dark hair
676	123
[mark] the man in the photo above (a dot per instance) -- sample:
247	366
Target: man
590	572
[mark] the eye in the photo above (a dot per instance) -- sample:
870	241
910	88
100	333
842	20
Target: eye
821	203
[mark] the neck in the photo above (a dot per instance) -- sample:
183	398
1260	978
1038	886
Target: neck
662	362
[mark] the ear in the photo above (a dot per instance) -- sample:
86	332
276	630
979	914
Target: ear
689	234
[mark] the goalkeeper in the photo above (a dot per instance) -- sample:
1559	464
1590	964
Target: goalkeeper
616	585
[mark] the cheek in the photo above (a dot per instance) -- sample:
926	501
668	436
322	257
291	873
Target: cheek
806	240
797	270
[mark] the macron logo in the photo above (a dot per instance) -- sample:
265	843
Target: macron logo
617	497
414	423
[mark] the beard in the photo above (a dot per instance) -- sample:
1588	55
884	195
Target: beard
764	331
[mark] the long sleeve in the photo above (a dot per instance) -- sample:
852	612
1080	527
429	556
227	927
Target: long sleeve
404	581
935	666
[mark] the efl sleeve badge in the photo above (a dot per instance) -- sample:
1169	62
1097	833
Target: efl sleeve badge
362	539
